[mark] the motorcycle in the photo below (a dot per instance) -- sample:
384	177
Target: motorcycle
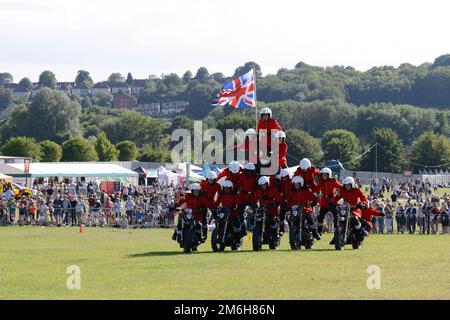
227	233
266	230
345	233
191	232
299	232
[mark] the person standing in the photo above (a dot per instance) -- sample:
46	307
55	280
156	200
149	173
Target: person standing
129	207
80	208
411	213
117	207
381	208
389	211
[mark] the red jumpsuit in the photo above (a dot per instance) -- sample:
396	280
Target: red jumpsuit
285	187
368	213
302	196
247	184
252	157
233	177
282	152
271	125
269	198
353	198
209	191
328	189
194	203
310	176
229	201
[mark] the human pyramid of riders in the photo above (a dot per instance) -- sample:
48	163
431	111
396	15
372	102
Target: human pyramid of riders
269	201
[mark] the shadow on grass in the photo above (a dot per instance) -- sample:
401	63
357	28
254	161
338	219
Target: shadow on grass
176	253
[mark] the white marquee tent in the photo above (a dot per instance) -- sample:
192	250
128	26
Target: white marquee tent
96	171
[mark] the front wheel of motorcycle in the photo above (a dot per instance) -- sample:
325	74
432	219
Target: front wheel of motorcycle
338	245
356	244
214	240
188	235
274	243
294	240
256	239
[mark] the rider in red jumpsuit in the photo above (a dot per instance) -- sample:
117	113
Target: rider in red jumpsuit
198	203
301	194
309	173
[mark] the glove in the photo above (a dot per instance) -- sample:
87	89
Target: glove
313	203
360	206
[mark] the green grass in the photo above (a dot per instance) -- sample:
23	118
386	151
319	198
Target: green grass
147	264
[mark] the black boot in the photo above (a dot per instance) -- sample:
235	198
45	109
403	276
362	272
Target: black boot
332	242
320	229
244	230
282	226
316	234
205	233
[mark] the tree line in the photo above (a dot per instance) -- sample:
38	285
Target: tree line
328	113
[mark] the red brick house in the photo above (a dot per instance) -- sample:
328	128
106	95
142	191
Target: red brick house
124	101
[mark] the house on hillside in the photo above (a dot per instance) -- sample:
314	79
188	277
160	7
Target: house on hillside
137	86
10	86
124	101
119	87
149	109
22	92
65	87
81	90
100	87
173	107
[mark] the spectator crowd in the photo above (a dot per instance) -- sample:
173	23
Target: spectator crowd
408	207
70	203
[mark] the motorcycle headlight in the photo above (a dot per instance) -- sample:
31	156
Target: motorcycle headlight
221	215
295	213
188	216
343	212
342	218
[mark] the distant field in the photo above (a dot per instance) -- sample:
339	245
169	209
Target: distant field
147	264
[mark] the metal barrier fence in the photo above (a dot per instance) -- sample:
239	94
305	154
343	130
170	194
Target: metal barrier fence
150	217
162	217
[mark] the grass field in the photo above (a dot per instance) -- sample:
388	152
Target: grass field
147	264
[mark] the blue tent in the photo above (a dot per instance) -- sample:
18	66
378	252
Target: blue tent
206	168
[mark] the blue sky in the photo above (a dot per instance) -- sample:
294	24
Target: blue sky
155	37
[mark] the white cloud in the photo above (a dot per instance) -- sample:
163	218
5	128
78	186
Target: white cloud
154	37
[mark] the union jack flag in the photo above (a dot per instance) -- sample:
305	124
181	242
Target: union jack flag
239	93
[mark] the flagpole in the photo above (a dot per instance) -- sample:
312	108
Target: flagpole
254	93
256	117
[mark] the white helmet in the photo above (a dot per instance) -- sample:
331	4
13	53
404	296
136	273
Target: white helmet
250	131
280	134
211	175
349	180
305	164
266	111
285	173
263	180
227	184
195	186
234	167
249	166
326	170
298	179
